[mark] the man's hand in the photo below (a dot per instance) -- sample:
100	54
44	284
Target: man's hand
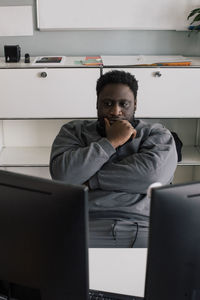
119	132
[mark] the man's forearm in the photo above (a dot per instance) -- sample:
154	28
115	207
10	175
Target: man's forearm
135	173
76	166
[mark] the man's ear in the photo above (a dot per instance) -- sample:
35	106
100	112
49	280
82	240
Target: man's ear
135	104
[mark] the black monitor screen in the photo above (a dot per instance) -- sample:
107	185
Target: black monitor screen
173	263
43	238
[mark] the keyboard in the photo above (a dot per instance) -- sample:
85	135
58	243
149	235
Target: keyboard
101	295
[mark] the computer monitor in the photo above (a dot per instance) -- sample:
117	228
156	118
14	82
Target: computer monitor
173	261
43	238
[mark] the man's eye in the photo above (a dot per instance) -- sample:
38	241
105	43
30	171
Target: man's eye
125	104
108	103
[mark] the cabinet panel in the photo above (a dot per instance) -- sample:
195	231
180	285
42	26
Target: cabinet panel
33	171
25	156
196	173
167	92
63	93
1	134
31	133
185	174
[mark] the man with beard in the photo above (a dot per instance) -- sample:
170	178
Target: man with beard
117	157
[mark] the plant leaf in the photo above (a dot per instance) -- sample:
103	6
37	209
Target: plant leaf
193	12
197	18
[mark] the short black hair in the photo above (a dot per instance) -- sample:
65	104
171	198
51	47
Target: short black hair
117	76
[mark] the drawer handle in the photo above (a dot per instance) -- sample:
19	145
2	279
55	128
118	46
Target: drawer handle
157	74
43	74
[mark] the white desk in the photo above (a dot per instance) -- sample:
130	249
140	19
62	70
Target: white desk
118	270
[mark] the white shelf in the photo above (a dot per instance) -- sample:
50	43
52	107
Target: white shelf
25	156
39	156
190	156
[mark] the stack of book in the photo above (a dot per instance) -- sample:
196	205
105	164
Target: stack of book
92	61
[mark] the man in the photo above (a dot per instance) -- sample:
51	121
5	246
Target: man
117	157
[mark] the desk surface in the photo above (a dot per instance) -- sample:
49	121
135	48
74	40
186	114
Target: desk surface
118	270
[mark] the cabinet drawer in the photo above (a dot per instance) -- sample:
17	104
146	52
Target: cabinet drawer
48	93
167	92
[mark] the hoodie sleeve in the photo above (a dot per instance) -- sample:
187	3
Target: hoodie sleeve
155	161
73	162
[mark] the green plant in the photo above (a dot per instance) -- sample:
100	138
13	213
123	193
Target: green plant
196	13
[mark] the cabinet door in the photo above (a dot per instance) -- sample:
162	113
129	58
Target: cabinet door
167	92
48	93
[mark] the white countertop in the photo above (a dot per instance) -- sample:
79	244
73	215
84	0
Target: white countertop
122	60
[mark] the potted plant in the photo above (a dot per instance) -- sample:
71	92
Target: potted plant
196	14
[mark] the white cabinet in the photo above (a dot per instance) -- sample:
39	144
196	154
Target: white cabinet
48	93
45	94
33	109
167	92
170	96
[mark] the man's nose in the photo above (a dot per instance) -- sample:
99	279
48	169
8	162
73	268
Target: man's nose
115	110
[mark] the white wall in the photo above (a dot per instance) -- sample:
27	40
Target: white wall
101	42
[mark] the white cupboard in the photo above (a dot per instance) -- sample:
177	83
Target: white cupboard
48	93
36	102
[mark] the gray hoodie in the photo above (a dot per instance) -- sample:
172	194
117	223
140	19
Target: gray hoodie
118	178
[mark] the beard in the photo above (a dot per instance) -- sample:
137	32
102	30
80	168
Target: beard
101	123
112	120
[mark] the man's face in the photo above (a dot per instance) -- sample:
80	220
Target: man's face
116	102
